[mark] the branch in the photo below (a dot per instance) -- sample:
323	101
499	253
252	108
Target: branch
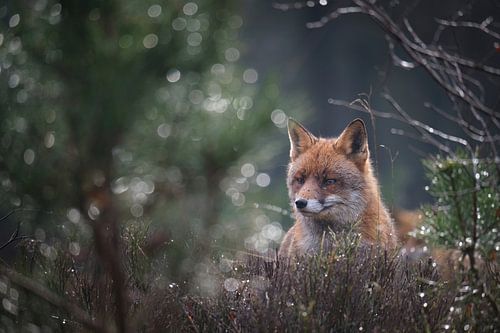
333	15
385	21
356	107
424	127
14	237
473	132
421	53
483	26
76	312
425	130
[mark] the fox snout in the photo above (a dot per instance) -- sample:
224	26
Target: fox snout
309	205
300	203
315	206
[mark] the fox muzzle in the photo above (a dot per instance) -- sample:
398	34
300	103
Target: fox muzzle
301	203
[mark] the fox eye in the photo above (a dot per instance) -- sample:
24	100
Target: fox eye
330	181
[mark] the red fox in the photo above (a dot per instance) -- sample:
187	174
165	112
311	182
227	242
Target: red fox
332	189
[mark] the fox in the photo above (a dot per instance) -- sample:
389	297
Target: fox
333	189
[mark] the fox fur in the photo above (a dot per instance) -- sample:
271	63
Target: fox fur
333	189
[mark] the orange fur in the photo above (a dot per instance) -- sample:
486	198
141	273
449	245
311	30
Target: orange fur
449	261
406	221
332	190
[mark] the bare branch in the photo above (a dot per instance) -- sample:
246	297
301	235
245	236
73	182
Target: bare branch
483	26
385	21
415	51
35	288
401	132
425	130
333	15
473	132
356	107
289	6
396	60
14	237
425	55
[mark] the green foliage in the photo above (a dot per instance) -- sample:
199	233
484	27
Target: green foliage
136	117
139	102
466	214
462	227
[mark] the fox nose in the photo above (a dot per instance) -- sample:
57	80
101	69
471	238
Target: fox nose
301	203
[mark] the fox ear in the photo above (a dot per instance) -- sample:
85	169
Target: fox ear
354	142
300	138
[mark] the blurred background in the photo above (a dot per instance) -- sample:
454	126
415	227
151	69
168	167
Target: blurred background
170	116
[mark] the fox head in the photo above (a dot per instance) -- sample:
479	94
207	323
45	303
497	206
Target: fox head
327	177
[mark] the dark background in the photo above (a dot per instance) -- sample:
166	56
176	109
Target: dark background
349	56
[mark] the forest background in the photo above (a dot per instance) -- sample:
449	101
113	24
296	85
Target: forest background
163	124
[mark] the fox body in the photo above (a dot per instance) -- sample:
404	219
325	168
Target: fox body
333	190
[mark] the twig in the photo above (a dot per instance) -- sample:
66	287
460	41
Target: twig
421	127
34	287
483	26
473	132
350	105
13	238
423	54
333	15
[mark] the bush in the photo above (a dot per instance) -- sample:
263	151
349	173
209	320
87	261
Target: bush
351	289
